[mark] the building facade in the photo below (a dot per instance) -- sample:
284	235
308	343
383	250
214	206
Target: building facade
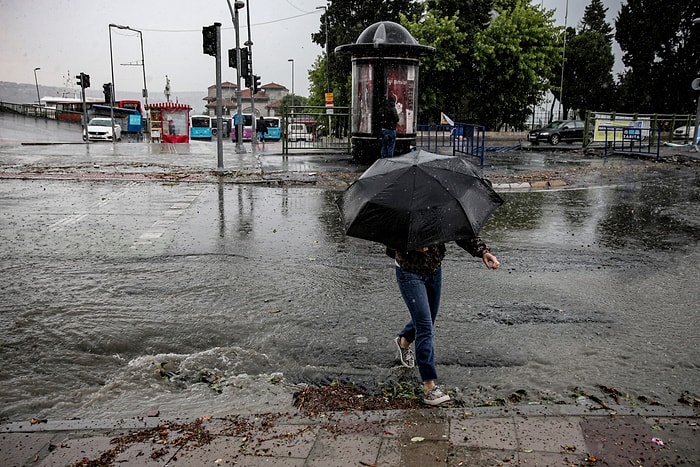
267	101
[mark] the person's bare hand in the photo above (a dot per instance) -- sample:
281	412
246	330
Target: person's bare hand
491	261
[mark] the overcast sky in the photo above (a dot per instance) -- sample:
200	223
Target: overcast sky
66	37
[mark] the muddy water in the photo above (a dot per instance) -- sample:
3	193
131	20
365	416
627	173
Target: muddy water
120	298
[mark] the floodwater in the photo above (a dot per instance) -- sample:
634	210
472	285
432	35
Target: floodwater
124	297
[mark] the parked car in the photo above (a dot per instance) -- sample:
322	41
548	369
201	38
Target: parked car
298	132
557	131
684	131
100	129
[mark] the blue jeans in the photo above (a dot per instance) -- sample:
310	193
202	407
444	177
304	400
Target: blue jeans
421	293
388	143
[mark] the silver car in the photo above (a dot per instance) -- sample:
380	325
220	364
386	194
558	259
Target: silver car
100	129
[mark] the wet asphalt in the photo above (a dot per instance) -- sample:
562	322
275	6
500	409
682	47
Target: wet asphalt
538	432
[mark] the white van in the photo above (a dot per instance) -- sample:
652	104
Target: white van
298	132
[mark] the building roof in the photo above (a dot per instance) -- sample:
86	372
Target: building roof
273	86
225	84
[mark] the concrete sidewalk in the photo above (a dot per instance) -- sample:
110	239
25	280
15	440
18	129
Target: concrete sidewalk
536	435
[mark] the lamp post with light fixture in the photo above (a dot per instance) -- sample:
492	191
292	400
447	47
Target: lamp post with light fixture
696	86
240	149
144	92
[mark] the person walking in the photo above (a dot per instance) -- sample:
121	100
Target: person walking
261	130
419	277
388	118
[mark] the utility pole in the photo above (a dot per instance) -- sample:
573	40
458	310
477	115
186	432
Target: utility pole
240	149
249	44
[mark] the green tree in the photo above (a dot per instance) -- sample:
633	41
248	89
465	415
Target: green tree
594	20
588	80
437	71
661	53
515	61
346	21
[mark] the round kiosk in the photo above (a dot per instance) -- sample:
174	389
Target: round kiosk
384	64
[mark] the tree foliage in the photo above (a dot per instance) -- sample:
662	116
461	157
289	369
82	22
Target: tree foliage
495	59
346	21
594	20
661	52
515	60
588	80
438	71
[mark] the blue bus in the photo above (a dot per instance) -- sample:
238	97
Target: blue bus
200	127
274	128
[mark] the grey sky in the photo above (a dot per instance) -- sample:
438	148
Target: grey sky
65	37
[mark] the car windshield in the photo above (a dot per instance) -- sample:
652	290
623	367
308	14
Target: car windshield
100	122
556	124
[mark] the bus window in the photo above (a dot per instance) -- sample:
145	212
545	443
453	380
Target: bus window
247	127
200	127
274	128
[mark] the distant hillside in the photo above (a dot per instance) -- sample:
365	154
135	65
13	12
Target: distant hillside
21	93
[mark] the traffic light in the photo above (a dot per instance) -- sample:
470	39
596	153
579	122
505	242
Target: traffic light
83	80
209	42
232	58
107	89
248	82
256	84
245	62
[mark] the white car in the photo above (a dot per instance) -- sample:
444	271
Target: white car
100	129
298	132
684	131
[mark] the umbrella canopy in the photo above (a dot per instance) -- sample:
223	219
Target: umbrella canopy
417	200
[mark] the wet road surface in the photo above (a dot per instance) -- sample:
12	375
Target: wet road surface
123	296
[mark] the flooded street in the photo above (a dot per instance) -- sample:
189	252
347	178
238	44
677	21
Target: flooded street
122	297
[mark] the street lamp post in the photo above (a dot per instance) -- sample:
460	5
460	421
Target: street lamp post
38	99
328	63
144	92
696	133
563	59
111	97
328	56
292	60
240	149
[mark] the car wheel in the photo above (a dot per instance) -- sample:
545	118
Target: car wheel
554	139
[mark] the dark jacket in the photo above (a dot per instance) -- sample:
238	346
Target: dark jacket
429	261
388	117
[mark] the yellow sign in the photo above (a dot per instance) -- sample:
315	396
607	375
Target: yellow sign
329	97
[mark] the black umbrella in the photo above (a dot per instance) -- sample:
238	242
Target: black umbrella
417	200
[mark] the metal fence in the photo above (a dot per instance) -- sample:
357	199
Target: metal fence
39	111
631	140
462	138
309	129
664	125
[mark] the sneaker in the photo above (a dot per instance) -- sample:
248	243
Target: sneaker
435	397
405	355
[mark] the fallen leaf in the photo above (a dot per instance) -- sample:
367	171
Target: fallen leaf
417	439
658	441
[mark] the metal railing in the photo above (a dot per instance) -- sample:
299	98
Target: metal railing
469	140
40	111
632	140
310	129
